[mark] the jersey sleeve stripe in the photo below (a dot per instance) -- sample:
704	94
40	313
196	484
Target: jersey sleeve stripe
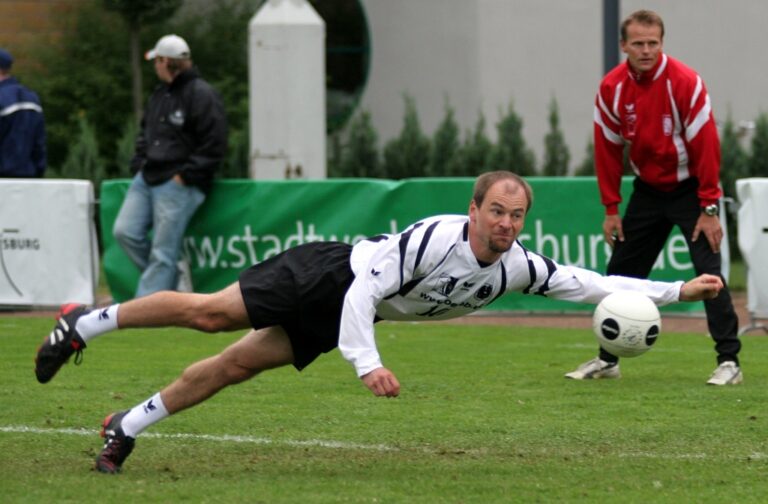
531	273
608	133
616	99
699	121
423	244
20	106
662	67
403	245
682	154
542	291
503	288
409	286
696	92
604	108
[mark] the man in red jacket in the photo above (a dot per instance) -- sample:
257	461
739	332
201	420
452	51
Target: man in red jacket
660	110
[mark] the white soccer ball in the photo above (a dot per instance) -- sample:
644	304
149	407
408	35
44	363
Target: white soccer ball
626	324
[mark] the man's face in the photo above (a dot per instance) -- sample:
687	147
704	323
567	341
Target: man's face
161	69
643	46
496	224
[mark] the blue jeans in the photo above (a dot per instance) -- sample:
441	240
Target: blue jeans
165	209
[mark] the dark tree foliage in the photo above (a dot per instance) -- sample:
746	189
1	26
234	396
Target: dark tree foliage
511	152
733	166
587	166
359	156
473	157
445	145
758	160
733	158
408	154
137	13
556	153
86	76
140	12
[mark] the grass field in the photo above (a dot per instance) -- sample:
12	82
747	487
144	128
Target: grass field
485	416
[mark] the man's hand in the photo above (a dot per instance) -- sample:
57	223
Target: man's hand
382	382
612	229
710	226
702	287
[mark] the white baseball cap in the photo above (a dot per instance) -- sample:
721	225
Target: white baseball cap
169	46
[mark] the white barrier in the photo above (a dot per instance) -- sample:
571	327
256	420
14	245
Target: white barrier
48	249
753	242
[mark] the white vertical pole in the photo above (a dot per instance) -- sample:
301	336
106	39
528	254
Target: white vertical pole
286	68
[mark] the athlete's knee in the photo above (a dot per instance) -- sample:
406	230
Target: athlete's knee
211	322
221	311
232	368
210	317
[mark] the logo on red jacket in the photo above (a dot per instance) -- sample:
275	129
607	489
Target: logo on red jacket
630	118
666	124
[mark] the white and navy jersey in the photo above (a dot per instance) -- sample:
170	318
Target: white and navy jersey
428	272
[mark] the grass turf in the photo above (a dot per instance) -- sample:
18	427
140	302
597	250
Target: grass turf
485	415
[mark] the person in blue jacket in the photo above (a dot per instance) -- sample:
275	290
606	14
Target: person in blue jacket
22	126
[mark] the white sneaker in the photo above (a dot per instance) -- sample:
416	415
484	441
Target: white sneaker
727	373
594	369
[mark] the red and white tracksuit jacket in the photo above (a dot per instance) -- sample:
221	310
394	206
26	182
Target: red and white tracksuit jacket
665	116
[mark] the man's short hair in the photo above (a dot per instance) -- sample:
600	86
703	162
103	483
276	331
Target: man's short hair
486	180
643	17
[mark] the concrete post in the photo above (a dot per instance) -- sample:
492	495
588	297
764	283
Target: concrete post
286	68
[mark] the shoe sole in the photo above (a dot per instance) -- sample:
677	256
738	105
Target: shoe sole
736	380
595	376
599	377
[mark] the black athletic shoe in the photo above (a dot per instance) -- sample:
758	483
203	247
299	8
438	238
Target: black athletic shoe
117	446
59	346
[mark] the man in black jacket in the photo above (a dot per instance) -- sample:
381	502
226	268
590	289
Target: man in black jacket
182	140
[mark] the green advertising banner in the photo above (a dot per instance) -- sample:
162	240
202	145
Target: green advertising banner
243	222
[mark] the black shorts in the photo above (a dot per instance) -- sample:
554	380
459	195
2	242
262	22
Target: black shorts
302	290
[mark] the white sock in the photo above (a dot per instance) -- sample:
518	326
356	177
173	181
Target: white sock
97	322
143	415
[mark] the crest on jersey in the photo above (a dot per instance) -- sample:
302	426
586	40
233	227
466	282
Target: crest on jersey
630	119
484	292
446	284
666	123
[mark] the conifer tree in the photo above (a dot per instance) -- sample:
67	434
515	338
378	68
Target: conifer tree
556	153
407	155
511	152
445	145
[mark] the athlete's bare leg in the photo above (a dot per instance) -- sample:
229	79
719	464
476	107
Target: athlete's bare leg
220	311
255	352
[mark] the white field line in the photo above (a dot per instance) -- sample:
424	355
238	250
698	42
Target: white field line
23	429
342	445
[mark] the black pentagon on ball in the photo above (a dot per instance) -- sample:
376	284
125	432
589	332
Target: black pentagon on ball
651	335
610	329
